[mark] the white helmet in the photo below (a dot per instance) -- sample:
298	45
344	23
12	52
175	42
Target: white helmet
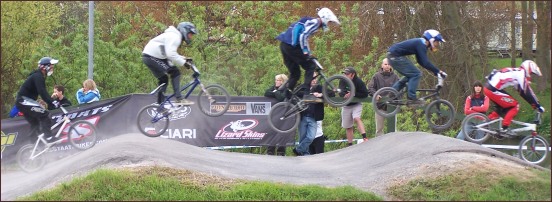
327	16
530	67
432	35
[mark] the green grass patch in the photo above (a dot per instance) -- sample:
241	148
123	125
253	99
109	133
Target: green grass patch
162	184
477	186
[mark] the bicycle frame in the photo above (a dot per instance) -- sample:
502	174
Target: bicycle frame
63	123
527	126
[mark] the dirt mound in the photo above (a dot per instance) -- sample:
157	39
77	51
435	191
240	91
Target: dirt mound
371	166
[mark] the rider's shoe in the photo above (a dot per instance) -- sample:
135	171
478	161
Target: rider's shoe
505	132
414	102
52	139
311	98
183	101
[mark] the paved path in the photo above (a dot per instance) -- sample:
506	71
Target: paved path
369	166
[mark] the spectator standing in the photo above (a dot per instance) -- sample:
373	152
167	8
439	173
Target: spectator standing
476	102
351	113
383	78
317	145
309	117
279	95
58	96
88	93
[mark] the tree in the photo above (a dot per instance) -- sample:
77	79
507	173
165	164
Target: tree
543	43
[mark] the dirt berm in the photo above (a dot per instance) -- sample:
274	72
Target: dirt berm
371	166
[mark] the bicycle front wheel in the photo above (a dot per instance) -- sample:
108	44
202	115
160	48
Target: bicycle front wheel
334	89
440	114
386	102
24	158
470	129
533	149
82	135
214	101
284	117
151	122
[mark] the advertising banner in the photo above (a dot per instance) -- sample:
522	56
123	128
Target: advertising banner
244	124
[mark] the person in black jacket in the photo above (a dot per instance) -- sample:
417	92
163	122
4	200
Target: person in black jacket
351	113
279	95
309	117
384	78
58	96
35	85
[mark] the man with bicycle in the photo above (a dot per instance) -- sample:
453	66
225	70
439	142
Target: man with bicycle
35	85
294	46
520	79
418	46
161	57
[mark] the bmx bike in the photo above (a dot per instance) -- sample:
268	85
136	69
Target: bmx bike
533	148
80	134
439	113
213	100
284	116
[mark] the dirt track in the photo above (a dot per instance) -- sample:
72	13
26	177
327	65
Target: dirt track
371	166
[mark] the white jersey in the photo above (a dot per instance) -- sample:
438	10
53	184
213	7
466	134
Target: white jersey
498	80
501	79
165	45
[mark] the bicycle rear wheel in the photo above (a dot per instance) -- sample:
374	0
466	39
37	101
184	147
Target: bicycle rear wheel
335	87
284	117
82	135
24	158
388	103
151	122
473	134
440	114
214	101
533	149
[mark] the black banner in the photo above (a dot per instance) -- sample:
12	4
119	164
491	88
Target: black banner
244	124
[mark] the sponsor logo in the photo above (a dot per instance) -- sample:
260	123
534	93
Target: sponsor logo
7	140
80	130
507	99
85	113
38	109
180	134
240	130
245	108
177	112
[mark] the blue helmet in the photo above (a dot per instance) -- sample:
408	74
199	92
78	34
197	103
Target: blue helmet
433	35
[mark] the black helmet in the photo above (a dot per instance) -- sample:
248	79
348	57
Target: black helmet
185	28
46	62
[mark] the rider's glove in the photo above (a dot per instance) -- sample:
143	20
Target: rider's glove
55	103
442	74
311	57
541	109
188	64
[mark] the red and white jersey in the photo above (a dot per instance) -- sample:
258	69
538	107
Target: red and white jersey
506	77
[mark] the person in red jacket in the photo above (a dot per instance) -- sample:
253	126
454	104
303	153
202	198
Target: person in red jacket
477	102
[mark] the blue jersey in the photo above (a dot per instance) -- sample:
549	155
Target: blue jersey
415	46
298	33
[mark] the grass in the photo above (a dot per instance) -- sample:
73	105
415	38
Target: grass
161	184
477	186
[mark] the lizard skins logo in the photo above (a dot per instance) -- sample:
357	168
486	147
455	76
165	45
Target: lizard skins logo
240	130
